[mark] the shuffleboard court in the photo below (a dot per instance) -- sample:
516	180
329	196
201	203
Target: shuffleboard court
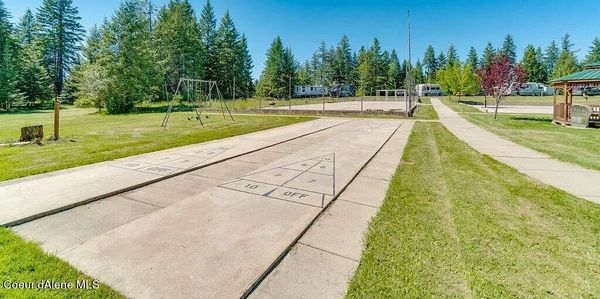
22	200
217	243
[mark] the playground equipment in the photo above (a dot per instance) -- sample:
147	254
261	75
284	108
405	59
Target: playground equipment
198	93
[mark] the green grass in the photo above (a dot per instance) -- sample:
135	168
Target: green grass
425	112
456	223
25	262
578	146
456	106
526	100
88	137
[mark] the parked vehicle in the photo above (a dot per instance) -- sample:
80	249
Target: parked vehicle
531	89
310	91
424	90
342	90
591	91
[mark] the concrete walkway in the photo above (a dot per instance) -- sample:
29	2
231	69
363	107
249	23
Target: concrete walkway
579	181
215	231
25	199
324	260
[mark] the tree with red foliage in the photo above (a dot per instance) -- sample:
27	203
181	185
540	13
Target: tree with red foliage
498	78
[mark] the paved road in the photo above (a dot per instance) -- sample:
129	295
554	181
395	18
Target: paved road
215	231
517	109
571	178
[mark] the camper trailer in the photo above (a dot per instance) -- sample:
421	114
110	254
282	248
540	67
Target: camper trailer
425	90
304	91
531	89
342	90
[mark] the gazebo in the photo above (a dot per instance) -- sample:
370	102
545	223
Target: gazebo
588	77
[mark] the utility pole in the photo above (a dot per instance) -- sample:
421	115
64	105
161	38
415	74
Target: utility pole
409	69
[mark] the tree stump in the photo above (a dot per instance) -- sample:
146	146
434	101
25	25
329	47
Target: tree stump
32	133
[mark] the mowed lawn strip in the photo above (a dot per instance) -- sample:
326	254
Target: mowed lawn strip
88	137
456	223
25	262
577	146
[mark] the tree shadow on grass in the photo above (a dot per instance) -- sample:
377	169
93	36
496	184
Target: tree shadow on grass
531	118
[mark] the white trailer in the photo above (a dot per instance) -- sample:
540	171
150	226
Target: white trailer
425	90
310	91
531	89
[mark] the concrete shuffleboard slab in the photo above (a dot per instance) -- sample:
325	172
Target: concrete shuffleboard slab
23	200
218	243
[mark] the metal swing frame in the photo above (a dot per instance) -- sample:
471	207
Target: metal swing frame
193	89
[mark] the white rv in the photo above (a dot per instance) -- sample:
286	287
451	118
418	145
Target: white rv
425	90
531	89
310	91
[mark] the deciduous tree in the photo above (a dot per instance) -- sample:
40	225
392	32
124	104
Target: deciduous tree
498	79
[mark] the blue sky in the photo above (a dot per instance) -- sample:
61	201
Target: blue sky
304	24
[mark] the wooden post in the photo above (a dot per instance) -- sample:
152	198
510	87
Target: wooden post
567	91
56	118
554	105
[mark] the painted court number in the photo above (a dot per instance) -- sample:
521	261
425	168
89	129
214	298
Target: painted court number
251	187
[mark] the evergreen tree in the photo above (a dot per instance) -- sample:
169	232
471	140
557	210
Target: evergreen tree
208	32
244	73
430	64
472	61
533	66
177	39
270	84
304	77
8	91
567	62
593	55
61	35
418	74
322	61
379	66
27	28
441	61
129	59
489	53
32	80
452	56
226	44
509	49
342	62
93	45
395	78
289	68
552	53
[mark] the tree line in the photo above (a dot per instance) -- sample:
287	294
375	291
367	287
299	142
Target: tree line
137	55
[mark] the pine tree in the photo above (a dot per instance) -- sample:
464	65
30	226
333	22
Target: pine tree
226	47
93	45
533	66
177	39
452	56
430	64
27	28
472	61
208	32
418	74
8	58
593	55
244	73
395	80
304	77
489	54
61	35
509	49
567	62
441	61
271	77
342	62
129	59
551	57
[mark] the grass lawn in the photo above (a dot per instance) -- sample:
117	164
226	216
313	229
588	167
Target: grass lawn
454	105
88	137
425	112
456	223
578	146
25	262
525	100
